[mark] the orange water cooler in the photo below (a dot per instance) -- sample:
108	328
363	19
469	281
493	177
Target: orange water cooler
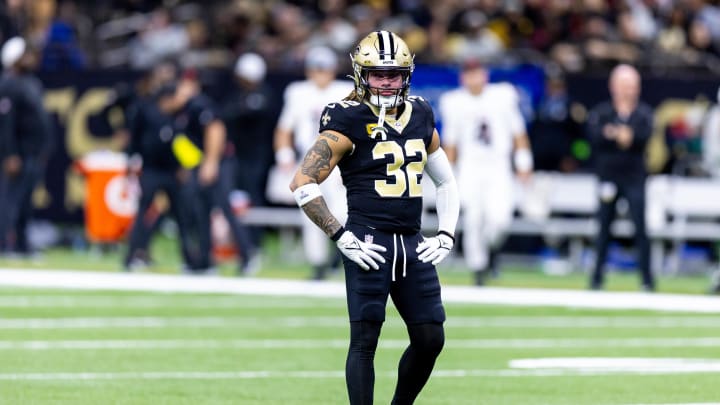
111	200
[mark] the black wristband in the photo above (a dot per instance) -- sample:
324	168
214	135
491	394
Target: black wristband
339	233
447	234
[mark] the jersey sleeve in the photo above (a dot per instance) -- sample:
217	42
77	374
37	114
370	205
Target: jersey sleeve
429	115
336	117
448	116
515	117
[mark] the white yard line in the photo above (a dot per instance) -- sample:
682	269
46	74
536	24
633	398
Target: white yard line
159	301
487	295
275	344
498	322
171	322
243	375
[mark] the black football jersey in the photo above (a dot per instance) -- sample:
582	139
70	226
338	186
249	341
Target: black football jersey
383	172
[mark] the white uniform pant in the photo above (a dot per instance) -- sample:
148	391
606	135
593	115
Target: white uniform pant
316	244
487	210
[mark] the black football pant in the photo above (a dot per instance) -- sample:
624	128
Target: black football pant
16	205
416	363
152	181
244	243
634	192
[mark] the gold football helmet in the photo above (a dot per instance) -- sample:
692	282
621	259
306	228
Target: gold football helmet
382	50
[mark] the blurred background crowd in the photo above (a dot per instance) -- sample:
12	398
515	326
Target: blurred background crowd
578	35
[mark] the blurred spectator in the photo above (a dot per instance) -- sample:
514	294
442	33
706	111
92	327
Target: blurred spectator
249	114
284	42
295	133
363	18
482	129
241	25
161	38
333	30
474	39
619	130
10	19
672	37
200	52
149	122
556	128
198	143
711	139
54	35
26	139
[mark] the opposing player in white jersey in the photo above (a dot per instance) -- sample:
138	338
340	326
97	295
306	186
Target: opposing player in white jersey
296	132
484	136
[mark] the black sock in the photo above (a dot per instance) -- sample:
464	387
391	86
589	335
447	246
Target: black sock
359	369
492	262
416	364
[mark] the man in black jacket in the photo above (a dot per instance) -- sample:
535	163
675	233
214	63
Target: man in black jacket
619	130
250	112
25	143
152	159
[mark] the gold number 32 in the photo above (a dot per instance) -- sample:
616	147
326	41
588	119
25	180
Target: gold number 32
407	177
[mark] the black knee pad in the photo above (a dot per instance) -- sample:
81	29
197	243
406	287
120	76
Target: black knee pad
427	337
364	336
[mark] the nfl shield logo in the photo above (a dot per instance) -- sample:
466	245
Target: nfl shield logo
368	238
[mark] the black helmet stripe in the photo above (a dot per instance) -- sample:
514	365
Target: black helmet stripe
381	44
386	45
392	44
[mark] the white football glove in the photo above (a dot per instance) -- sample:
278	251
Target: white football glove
364	254
435	249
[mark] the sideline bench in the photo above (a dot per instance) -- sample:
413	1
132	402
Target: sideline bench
678	209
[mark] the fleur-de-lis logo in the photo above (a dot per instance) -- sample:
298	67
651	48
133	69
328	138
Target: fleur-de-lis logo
325	118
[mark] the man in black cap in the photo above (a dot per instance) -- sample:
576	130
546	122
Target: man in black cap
25	143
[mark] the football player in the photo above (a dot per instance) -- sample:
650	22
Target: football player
484	136
383	140
295	133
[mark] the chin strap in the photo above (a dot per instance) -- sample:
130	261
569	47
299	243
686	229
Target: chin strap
380	129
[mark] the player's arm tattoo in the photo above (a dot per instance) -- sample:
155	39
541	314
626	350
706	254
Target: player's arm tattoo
317	210
316	160
330	135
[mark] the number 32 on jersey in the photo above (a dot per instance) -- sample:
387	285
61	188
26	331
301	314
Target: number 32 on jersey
406	177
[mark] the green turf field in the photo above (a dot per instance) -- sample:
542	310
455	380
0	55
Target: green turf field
95	347
104	347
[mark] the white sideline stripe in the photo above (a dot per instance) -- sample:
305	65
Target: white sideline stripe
170	322
486	295
237	375
151	302
174	344
558	322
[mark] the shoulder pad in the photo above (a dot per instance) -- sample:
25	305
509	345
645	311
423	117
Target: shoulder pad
338	116
419	102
